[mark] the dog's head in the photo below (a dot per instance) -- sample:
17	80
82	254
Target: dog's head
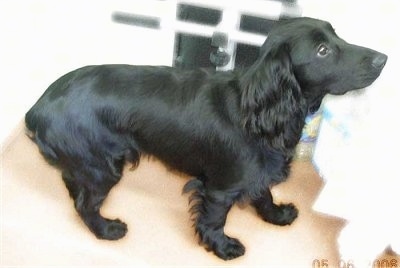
322	62
301	61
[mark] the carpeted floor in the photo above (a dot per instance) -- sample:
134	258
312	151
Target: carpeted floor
39	225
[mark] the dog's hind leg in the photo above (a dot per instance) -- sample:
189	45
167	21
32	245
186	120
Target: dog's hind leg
282	214
88	189
210	209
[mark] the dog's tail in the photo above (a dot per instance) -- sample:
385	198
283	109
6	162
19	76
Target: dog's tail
197	189
193	185
30	124
35	133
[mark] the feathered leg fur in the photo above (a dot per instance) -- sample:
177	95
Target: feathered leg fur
88	198
210	209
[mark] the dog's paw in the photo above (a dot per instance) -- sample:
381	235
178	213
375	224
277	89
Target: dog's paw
113	230
229	249
283	214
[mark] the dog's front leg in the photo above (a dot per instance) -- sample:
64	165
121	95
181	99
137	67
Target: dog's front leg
210	209
210	224
282	214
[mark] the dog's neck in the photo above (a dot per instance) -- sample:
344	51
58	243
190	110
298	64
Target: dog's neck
273	113
278	126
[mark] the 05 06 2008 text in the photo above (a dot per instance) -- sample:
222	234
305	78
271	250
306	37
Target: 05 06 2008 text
378	263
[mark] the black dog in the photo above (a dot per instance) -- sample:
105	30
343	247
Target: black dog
235	132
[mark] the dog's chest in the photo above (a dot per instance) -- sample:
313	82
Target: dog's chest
270	169
275	167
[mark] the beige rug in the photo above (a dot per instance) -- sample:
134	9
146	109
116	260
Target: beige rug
39	225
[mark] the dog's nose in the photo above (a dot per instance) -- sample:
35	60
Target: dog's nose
379	61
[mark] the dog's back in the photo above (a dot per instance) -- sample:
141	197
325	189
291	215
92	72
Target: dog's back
95	110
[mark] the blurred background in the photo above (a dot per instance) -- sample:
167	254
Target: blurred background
42	39
357	144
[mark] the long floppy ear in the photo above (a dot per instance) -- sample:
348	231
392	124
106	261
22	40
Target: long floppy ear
272	103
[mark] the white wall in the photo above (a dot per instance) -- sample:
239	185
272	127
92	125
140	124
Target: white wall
369	149
357	150
43	39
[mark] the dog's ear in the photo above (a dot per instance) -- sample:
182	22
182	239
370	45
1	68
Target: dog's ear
272	103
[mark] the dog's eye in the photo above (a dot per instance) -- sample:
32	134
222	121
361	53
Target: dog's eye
323	50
